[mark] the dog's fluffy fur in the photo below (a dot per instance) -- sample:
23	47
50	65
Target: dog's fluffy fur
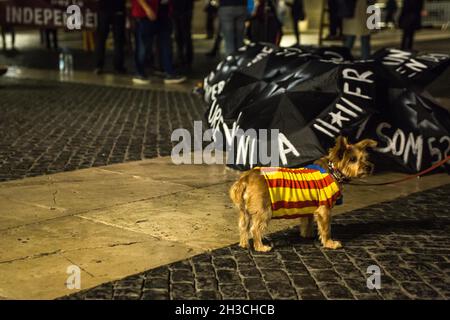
251	196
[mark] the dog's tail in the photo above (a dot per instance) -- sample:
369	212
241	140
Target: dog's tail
237	190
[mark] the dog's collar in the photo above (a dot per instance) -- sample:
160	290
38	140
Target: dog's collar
337	174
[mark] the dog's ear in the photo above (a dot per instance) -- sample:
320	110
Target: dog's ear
341	145
366	143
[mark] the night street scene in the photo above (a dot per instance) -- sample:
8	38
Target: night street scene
192	151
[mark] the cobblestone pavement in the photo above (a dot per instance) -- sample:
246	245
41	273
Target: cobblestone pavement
408	238
49	127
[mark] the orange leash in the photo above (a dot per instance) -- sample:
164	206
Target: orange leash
434	166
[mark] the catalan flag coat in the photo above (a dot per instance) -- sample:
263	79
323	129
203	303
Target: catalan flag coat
295	192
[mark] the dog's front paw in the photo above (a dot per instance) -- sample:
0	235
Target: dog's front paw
263	248
331	244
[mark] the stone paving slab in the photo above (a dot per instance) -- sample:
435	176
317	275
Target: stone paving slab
45	220
101	252
408	238
42	198
131	217
49	127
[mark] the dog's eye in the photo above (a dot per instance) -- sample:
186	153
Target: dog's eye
353	159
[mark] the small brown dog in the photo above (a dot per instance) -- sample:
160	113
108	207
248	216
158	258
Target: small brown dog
262	194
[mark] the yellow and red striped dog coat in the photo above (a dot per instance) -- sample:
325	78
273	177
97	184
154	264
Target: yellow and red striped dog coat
295	192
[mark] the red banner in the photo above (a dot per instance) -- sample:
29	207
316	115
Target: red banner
46	13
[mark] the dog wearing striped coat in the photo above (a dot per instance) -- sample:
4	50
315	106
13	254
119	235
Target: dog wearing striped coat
307	193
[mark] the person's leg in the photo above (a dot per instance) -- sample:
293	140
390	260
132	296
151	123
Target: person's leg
47	39
216	45
143	37
102	35
332	18
296	30
165	49
188	40
365	47
279	34
41	36
210	17
410	44
239	27
403	44
389	17
165	45
119	40
407	36
218	41
55	38
226	19
13	37
349	41
179	38
3	38
339	28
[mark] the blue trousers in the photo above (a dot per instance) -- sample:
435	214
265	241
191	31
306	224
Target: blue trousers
145	33
232	27
349	42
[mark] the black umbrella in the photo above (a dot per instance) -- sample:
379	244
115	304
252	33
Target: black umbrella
255	80
410	68
215	81
260	77
314	100
331	53
308	115
412	131
411	127
249	82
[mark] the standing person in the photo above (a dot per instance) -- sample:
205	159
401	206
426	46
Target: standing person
410	21
355	25
12	32
49	38
391	9
335	27
266	24
216	46
297	14
110	13
153	19
232	16
182	17
211	15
